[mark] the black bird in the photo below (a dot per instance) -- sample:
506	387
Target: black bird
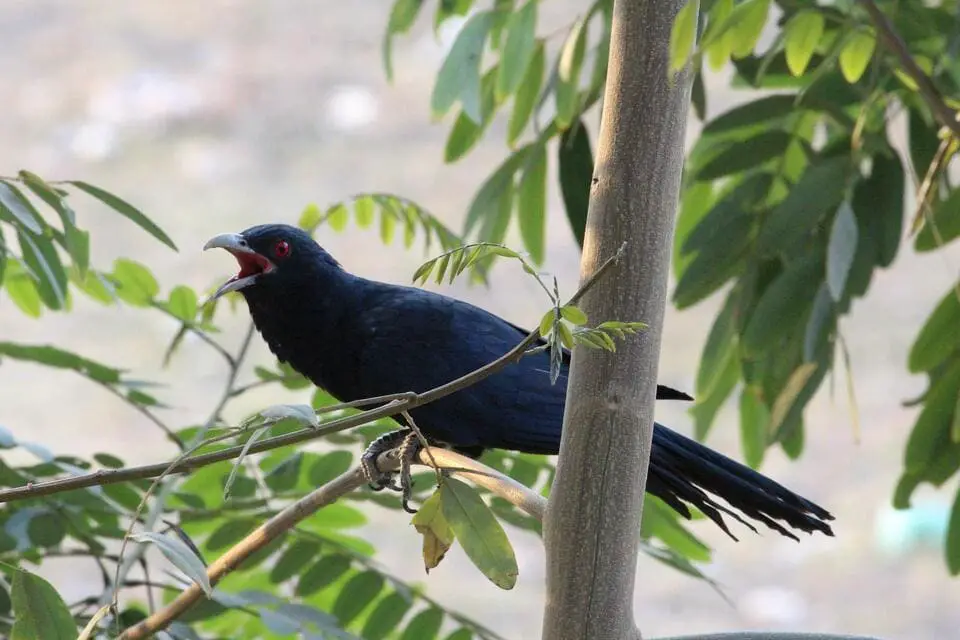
357	338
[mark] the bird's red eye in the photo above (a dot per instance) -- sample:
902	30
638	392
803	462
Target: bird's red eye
281	249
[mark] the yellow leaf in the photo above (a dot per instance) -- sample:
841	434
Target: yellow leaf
437	534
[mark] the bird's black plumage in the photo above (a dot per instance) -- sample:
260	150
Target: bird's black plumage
357	338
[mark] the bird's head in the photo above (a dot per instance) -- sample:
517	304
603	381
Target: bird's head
269	255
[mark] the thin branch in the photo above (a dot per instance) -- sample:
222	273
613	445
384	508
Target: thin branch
892	41
156	510
149	415
231	383
506	488
400	402
200	333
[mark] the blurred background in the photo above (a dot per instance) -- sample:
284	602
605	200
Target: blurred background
215	116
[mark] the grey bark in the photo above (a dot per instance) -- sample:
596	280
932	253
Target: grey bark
591	527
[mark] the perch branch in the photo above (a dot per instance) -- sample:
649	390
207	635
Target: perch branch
502	486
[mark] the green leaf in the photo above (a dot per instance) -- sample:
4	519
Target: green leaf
820	326
682	35
573	314
754	419
532	203
856	54
659	521
22	290
841	249
402	16
923	138
878	201
819	191
323	573
337	217
127	210
437	534
706	406
933	425
459	76
487	203
766	110
717	40
465	133
570	62
479	533
18	209
228	534
108	460
46	529
718	348
135	284
56	357
783	304
180	555
94	285
526	97
746	154
183	303
285	475
952	546
425	624
336	516
518	50
575	161
790	397
41	257
329	466
356	595
39	611
386	616
293	560
802	35
747	21
939	337
943	226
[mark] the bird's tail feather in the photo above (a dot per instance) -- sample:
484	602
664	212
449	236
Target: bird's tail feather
684	471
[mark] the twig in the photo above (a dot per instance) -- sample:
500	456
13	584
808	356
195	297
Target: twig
892	41
156	510
200	333
149	415
507	488
400	402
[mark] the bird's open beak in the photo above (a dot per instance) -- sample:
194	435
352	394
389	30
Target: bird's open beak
252	264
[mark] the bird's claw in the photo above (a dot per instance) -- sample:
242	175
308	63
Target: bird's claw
408	446
409	450
377	479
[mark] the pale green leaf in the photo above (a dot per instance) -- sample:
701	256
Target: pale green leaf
459	76
518	50
856	54
841	249
180	555
127	210
802	35
532	203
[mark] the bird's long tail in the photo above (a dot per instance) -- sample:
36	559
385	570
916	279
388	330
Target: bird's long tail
683	471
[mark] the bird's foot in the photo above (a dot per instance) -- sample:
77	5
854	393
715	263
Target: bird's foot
410	449
380	480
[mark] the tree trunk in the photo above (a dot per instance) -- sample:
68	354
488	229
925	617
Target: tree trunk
593	518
